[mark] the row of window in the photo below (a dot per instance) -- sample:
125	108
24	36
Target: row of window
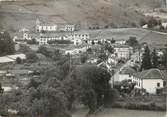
47	28
164	84
81	35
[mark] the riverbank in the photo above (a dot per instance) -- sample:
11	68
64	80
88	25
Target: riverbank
129	113
150	103
140	106
115	112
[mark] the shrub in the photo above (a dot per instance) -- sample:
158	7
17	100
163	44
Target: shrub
111	97
18	60
60	42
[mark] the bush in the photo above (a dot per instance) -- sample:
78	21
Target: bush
111	97
31	57
143	22
31	42
60	42
18	60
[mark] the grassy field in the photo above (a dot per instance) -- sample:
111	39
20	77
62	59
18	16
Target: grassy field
155	38
111	112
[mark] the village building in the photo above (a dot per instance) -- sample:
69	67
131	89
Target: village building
80	35
120	41
50	27
45	27
126	74
44	38
123	51
151	80
66	27
112	59
164	24
21	37
75	51
77	41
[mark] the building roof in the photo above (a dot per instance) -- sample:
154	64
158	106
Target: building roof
127	70
22	56
50	34
11	58
120	46
6	60
152	74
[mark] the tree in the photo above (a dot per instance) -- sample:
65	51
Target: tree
91	84
125	86
24	48
164	58
112	41
43	50
18	60
1	89
154	59
33	41
153	22
143	22
146	60
56	55
103	57
31	57
49	102
93	43
109	48
132	41
83	58
6	44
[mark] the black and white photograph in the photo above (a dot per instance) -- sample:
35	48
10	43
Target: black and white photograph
83	58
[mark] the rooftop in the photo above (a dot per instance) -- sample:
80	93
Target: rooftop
11	58
127	70
152	74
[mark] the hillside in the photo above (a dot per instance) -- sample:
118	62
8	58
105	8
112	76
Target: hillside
87	13
111	13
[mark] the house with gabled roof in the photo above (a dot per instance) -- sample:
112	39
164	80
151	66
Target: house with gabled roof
126	73
151	80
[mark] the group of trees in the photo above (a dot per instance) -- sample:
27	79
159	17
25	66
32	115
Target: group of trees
6	44
54	94
125	86
31	42
60	42
149	60
59	87
89	85
133	42
153	23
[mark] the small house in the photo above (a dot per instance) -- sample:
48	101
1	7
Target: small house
126	73
151	80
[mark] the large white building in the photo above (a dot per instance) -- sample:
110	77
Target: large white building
45	38
151	80
54	27
66	27
123	51
45	27
80	35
